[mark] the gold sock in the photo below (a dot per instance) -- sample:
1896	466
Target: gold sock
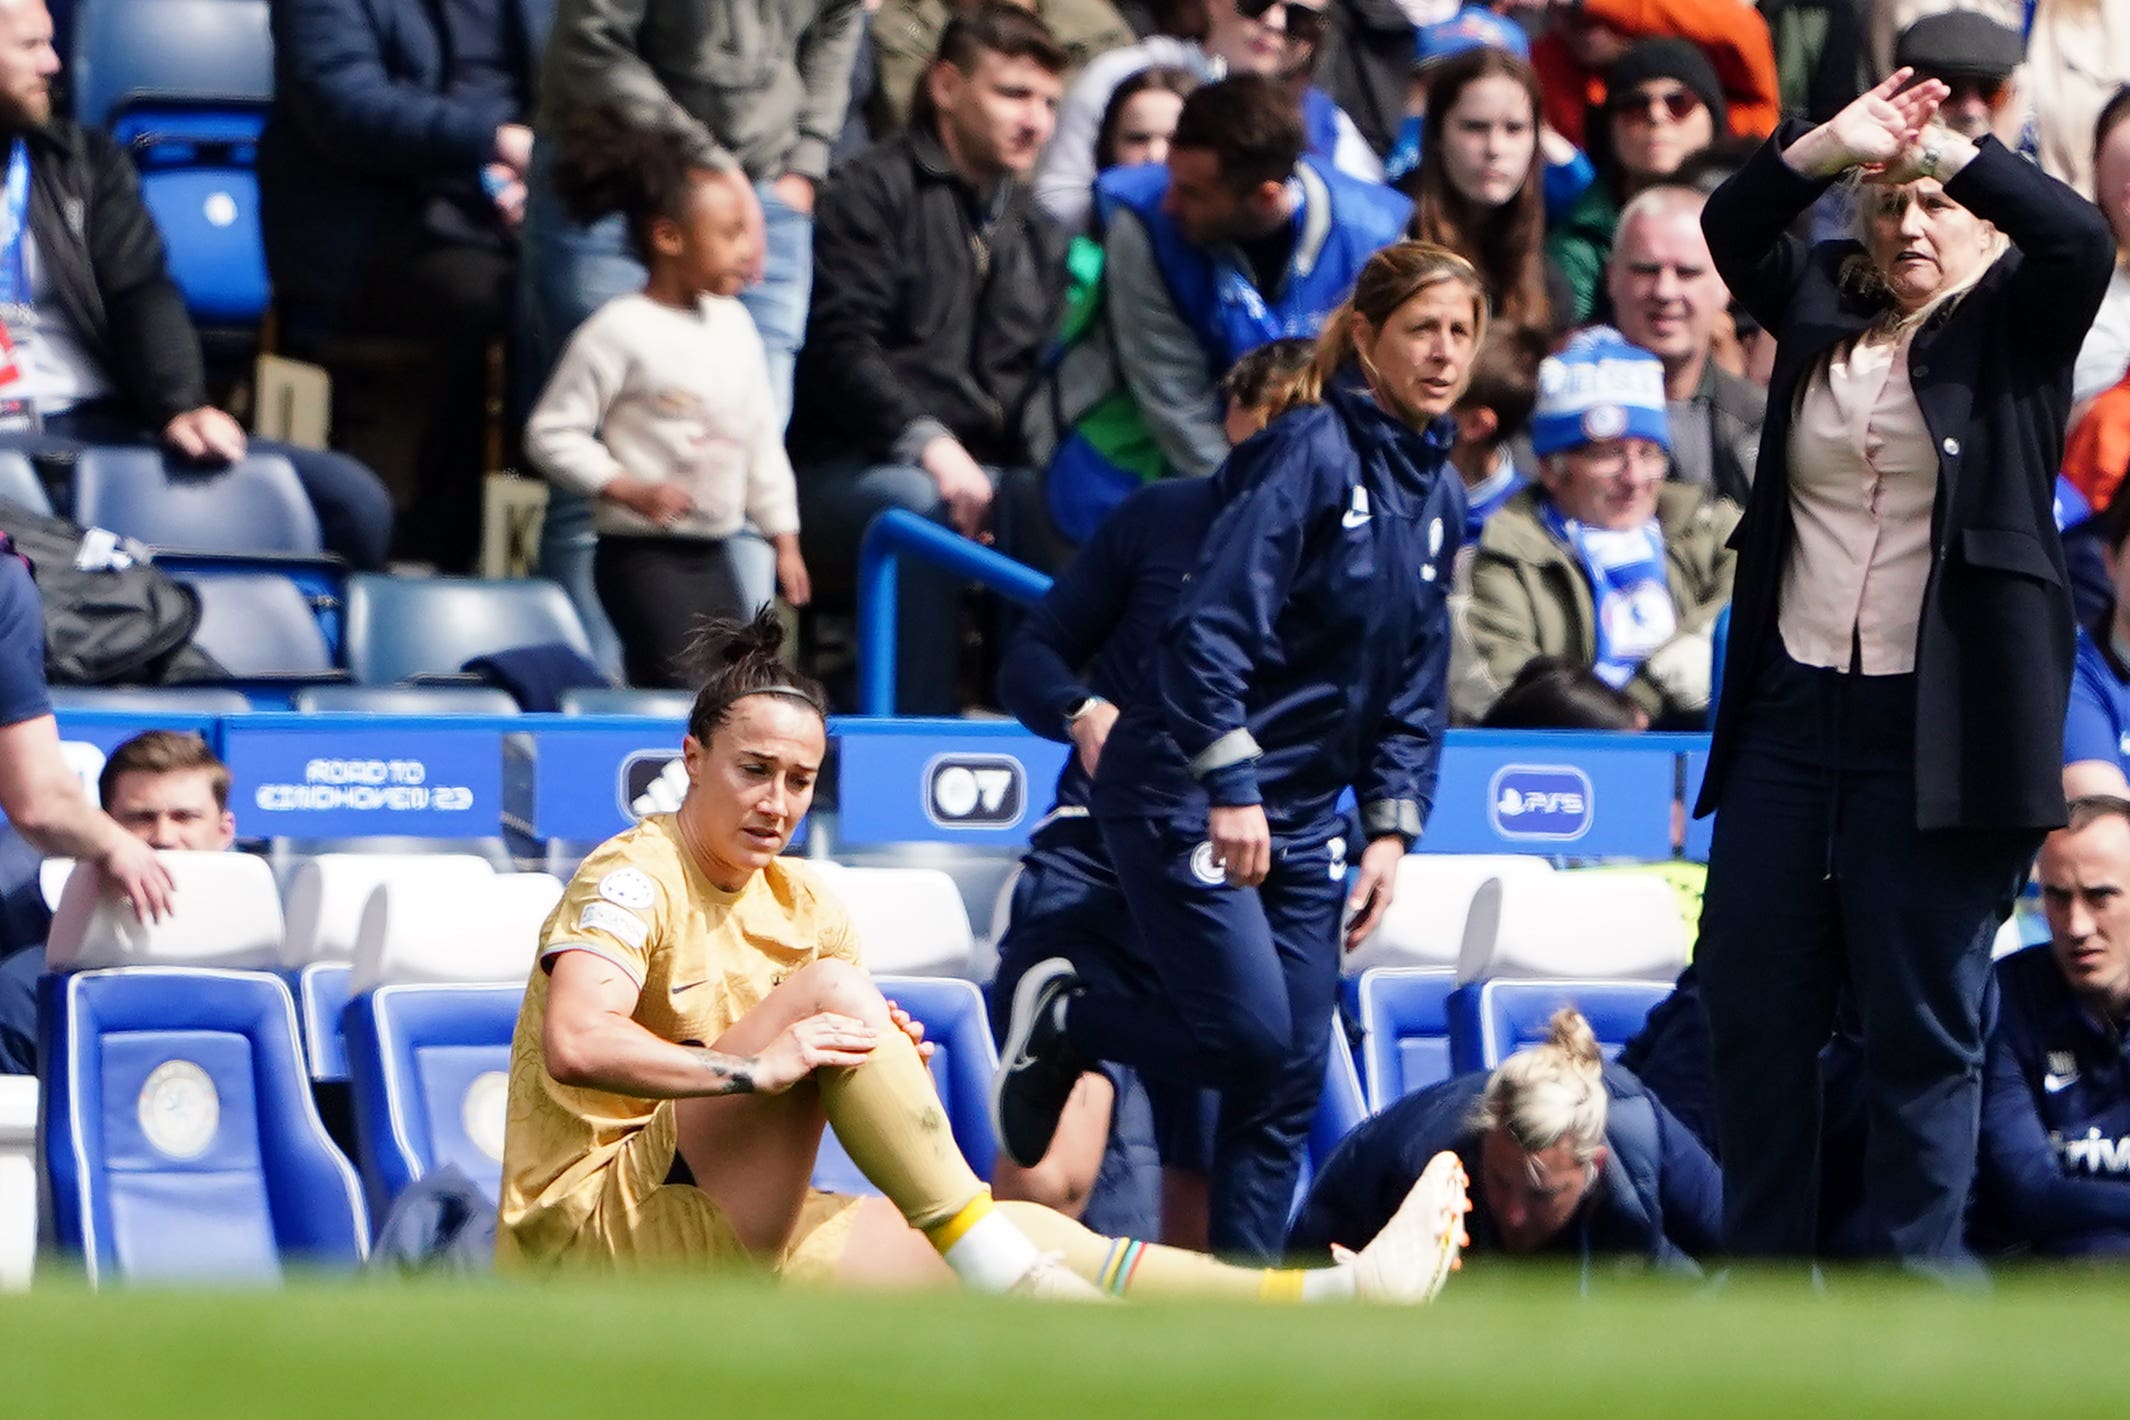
1124	1267
888	1116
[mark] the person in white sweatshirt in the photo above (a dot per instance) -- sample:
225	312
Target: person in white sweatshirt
661	408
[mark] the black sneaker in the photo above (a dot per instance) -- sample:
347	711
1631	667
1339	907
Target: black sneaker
1037	1069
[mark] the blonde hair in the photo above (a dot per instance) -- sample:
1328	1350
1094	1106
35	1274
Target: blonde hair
1392	277
1863	273
1551	1092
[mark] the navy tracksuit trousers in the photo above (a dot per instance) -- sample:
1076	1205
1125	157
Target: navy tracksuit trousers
1248	979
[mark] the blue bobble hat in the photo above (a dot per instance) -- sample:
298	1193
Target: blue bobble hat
1599	387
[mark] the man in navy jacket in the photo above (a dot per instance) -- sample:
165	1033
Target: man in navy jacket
2054	1174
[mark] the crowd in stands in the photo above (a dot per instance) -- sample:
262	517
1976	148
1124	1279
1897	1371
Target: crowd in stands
765	270
996	262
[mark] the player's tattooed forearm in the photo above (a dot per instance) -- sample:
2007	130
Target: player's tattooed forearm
734	1074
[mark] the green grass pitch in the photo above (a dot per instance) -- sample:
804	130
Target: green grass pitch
1501	1343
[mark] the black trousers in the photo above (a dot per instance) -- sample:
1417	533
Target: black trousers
1819	877
457	299
657	591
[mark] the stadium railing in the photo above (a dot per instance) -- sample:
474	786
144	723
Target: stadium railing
890	538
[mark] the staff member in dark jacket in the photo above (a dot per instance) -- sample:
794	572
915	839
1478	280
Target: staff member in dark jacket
1887	750
937	285
2055	1170
1571	1155
103	351
391	184
1308	654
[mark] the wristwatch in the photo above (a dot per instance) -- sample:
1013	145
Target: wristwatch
1086	704
1933	150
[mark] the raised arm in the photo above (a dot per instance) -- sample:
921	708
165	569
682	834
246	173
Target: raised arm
1747	219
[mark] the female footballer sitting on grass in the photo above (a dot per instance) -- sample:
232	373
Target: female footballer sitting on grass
698	1013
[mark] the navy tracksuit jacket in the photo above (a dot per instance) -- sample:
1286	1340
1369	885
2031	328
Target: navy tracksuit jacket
2054	1174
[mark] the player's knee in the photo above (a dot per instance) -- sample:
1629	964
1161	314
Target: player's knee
843	988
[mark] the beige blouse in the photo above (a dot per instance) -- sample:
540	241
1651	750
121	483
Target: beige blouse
1863	477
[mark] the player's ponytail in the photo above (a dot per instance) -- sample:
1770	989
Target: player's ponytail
736	659
1550	1092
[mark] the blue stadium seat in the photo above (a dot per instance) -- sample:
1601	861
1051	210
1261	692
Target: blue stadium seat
399	627
1405	1044
151	699
258	624
180	1137
130	53
964	1058
594	700
321	579
430	1066
1490	1020
1343	1104
253	505
407	699
322	995
19	483
208	215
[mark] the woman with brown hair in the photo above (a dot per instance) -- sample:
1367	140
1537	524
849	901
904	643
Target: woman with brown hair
1307	654
1480	189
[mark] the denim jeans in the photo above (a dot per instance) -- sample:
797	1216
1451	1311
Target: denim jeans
567	271
840	498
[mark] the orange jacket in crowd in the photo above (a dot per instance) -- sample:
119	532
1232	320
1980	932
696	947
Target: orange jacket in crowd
2098	451
1730	32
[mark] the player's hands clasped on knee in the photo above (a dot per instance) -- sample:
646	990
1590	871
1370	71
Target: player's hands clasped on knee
815	1043
1242	843
910	1026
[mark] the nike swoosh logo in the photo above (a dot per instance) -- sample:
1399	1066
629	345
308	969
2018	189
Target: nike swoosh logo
1353	519
689	986
2056	1084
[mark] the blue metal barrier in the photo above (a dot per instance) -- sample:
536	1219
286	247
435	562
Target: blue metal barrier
893	535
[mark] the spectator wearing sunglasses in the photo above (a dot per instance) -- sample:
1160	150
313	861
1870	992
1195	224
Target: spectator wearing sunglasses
1585	39
1665	104
1274	38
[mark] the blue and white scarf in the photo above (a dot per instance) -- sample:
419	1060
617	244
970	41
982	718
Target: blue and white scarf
1629	587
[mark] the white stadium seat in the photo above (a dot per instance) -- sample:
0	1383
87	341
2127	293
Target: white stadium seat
983	958
18	1180
225	914
431	929
1425	924
1582	926
910	921
52	875
326	896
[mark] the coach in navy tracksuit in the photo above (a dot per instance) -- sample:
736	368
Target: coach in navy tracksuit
1655	1193
1307	654
2054	1174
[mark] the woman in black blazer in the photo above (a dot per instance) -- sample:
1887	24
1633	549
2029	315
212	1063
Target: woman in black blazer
1886	749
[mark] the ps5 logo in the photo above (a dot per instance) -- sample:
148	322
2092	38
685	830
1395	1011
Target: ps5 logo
651	781
975	791
1552	802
